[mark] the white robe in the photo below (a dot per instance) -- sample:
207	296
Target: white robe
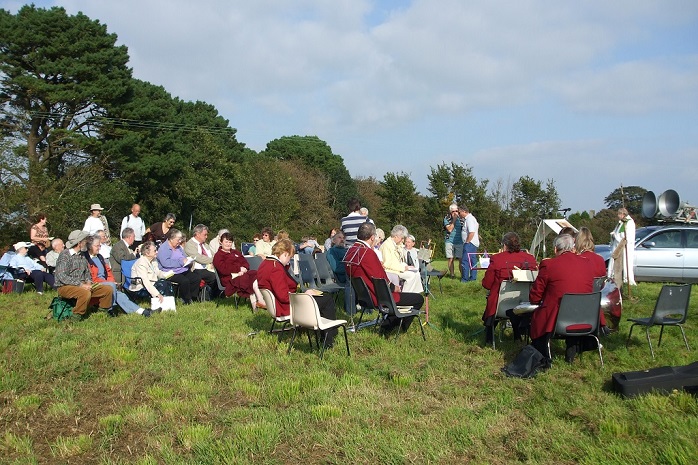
629	253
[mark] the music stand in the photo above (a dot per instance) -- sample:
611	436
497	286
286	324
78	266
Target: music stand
425	254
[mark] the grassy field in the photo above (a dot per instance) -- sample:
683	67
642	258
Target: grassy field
193	388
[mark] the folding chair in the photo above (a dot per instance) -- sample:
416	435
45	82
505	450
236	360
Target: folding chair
672	301
127	278
386	301
310	278
221	288
254	262
578	316
306	314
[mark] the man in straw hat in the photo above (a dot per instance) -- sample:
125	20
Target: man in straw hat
96	221
73	278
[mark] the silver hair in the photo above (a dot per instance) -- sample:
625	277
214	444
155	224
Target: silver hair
410	237
91	240
170	216
564	243
199	228
127	232
399	230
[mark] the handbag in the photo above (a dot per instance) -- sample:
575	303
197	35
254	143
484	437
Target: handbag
164	287
167	304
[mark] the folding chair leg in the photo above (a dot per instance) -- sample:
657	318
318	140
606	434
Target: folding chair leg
290	343
419	320
661	332
346	340
324	346
629	335
647	332
283	328
684	336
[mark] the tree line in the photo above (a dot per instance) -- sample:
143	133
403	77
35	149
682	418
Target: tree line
78	129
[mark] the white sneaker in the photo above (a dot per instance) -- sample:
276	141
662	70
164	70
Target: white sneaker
40	293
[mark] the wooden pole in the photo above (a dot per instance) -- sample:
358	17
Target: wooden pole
627	262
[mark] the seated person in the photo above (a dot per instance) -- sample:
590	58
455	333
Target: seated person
584	245
252	250
57	246
215	243
74	281
328	241
171	257
501	264
273	274
335	256
565	273
146	268
122	251
263	246
411	257
101	273
363	263
7	255
28	270
37	252
198	249
308	245
393	262
234	273
105	245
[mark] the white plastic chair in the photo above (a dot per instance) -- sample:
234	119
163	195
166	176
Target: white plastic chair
306	314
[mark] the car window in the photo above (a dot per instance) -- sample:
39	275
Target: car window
667	240
641	234
692	238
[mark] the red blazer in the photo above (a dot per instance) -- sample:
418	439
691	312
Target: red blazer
273	275
361	261
499	270
566	273
595	262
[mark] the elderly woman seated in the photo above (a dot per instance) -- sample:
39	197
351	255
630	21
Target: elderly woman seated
510	257
234	272
394	262
28	270
273	274
102	274
171	257
263	246
148	272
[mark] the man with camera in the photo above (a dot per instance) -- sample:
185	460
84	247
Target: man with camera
453	240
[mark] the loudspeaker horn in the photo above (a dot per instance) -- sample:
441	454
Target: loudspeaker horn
649	205
668	203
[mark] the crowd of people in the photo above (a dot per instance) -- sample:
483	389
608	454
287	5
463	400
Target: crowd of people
88	267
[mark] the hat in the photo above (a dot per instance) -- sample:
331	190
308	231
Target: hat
75	237
19	245
96	206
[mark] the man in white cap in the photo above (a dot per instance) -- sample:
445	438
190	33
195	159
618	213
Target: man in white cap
28	270
96	221
73	278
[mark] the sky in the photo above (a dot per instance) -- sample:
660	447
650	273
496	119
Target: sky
593	95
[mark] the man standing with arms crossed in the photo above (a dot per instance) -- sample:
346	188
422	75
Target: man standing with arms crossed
471	241
453	241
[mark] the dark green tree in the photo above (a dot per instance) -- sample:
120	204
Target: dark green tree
59	75
401	203
531	202
629	197
315	153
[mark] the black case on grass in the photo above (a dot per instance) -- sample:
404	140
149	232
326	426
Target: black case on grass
662	380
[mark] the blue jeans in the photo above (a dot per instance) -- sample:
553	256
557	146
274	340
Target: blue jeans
468	262
121	300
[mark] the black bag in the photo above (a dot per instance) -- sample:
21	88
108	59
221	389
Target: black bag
663	380
164	287
526	364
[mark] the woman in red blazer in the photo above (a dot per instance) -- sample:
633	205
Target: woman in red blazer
499	270
273	274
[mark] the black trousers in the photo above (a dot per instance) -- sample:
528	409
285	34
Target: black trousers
209	277
328	310
188	285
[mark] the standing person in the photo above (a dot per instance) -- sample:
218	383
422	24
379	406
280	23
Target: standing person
361	262
161	229
351	222
39	231
73	278
453	240
135	222
96	221
471	241
620	265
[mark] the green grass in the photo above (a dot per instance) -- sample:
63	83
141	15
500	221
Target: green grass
192	387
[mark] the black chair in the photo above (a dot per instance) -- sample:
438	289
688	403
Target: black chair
578	316
386	301
310	278
671	309
235	297
324	270
364	300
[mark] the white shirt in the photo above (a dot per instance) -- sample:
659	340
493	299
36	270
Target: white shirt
135	223
92	225
471	226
